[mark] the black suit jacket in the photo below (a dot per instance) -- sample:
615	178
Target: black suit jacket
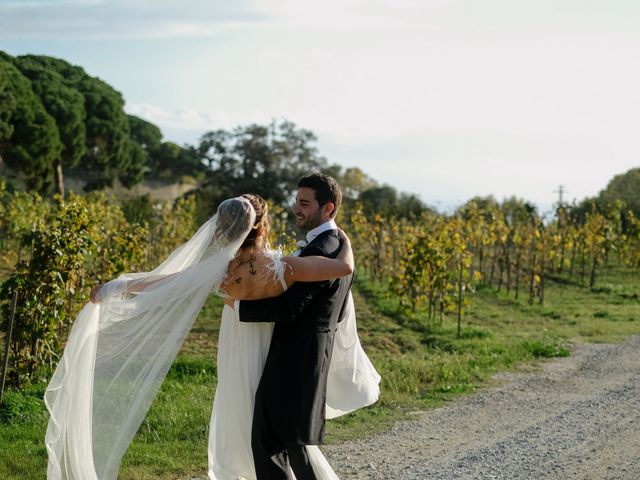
292	391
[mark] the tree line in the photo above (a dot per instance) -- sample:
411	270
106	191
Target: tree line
56	120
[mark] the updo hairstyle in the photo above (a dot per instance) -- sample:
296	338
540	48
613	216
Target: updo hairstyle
233	220
261	224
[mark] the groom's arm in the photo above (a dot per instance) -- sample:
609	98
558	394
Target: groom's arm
285	308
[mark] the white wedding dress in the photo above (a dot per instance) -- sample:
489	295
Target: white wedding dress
242	352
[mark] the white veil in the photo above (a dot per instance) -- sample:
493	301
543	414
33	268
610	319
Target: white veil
120	350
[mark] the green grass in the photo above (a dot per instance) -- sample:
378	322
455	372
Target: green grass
422	365
22	426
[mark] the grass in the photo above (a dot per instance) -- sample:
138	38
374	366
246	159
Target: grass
22	426
422	365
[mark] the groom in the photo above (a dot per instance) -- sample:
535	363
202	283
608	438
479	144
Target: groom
289	408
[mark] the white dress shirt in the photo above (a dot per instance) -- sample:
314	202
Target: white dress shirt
313	233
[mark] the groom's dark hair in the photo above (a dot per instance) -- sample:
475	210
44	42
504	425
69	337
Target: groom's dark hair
326	189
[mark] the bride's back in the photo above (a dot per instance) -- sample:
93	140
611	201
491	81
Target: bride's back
255	278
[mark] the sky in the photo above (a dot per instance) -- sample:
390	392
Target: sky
444	99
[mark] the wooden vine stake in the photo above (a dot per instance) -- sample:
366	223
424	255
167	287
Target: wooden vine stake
7	344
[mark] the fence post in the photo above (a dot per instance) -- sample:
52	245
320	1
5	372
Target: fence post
7	344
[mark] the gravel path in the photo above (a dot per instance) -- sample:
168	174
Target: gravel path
573	418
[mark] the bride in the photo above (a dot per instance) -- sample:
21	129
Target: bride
122	346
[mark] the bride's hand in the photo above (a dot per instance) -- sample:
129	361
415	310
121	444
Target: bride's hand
93	296
343	236
346	253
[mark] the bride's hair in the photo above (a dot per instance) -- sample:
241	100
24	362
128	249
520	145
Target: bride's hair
233	220
261	224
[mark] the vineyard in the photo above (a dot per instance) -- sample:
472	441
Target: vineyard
53	252
438	261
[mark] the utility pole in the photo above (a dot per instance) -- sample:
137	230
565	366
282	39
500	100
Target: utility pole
561	191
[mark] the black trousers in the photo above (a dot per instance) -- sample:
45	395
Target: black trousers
290	464
275	461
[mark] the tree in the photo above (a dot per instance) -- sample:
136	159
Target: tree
145	139
410	206
266	159
65	104
136	167
170	161
7	107
625	187
107	132
108	153
146	134
484	205
34	142
518	211
354	182
296	155
382	200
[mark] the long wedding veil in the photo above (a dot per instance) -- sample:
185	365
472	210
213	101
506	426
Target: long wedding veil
120	350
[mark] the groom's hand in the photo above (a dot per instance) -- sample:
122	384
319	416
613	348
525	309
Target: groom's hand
229	301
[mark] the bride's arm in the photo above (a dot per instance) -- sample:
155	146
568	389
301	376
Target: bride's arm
317	268
122	285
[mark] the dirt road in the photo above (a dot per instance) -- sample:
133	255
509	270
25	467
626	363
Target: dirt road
572	418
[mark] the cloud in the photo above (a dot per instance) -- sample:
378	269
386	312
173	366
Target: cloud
187	125
180	124
68	19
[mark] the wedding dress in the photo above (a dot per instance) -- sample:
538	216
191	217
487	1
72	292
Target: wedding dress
242	352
